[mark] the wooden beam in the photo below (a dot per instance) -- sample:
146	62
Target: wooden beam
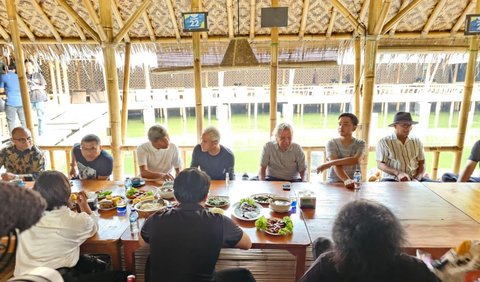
303	24
363	10
197	74
66	83
231	33
126	88
253	17
394	27
118	18
53	81
148	24
273	75
433	16
402	14
128	24
173	18
79	20
348	15
40	11
94	17
112	87
357	48
461	19
333	15
25	28
20	65
4	34
383	15
467	96
200	9
79	31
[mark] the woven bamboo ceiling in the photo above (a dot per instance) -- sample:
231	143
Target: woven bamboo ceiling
51	27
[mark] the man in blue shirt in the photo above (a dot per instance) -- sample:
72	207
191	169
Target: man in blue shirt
91	161
10	84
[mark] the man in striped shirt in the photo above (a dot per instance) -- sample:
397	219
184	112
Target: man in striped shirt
401	157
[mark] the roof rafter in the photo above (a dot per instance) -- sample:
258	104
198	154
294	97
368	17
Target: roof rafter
333	15
381	18
230	18
42	13
363	10
128	24
253	16
401	14
462	17
79	20
4	34
347	14
147	22
394	27
79	31
433	16
173	19
25	28
94	17
118	17
303	24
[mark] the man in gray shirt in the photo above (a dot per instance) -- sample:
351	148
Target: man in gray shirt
345	153
281	159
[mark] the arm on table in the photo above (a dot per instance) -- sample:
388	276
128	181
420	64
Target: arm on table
467	171
401	176
245	243
146	173
262	172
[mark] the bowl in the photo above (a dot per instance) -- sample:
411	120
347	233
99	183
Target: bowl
149	207
280	204
166	192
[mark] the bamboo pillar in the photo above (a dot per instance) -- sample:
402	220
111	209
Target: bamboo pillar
356	75
467	96
146	70
53	81
77	72
58	75
66	84
112	87
126	86
369	78
20	65
273	75
197	72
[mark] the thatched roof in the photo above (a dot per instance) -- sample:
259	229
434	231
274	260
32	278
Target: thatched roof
47	26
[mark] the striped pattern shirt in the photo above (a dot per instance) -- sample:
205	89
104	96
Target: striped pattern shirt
402	157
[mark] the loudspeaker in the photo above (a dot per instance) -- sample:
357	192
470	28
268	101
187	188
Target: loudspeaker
274	17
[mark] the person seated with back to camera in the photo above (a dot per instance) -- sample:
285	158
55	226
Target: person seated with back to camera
158	157
282	160
368	241
213	158
90	160
345	153
22	159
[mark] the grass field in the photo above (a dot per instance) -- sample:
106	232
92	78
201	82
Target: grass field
246	137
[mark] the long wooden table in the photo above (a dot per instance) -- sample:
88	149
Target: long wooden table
296	243
430	222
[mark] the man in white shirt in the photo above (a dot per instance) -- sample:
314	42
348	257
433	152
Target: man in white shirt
158	157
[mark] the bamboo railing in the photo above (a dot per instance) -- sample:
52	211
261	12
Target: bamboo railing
435	150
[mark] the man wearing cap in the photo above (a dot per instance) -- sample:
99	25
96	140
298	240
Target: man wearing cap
401	157
466	173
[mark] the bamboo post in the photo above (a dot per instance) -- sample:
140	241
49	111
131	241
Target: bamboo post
369	78
467	96
20	65
436	159
79	81
51	69
126	86
58	77
66	84
112	87
273	75
197	72
356	75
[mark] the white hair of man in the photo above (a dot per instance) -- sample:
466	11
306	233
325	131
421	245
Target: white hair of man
213	133
156	132
282	127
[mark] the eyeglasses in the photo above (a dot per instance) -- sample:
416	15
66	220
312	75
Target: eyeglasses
23	140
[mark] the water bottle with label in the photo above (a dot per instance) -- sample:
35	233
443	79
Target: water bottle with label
357	179
128	183
133	221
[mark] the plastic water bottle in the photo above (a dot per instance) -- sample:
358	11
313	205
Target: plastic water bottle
227	179
128	183
133	221
357	179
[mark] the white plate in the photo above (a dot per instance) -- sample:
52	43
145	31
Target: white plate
263	194
274	234
226	198
238	213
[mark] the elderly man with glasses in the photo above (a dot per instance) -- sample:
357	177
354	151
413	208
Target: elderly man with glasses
22	159
89	161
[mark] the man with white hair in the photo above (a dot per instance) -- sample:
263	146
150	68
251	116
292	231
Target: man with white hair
158	157
213	158
282	160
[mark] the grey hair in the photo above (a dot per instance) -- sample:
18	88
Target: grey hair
280	128
213	133
156	133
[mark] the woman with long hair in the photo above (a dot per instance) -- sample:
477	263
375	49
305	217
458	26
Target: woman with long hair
367	240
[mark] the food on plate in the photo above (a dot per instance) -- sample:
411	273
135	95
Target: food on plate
217	210
217	201
248	208
73	197
263	198
275	226
151	205
133	193
106	205
144	197
281	203
166	192
103	194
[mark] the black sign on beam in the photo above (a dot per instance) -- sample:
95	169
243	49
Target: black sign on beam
274	17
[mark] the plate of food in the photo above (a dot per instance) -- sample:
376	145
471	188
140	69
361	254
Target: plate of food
110	202
103	194
263	198
275	226
133	193
247	209
166	192
148	207
218	201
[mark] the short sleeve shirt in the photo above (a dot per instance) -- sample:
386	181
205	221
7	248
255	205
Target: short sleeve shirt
475	154
159	160
400	156
101	166
215	166
335	149
22	162
11	84
284	165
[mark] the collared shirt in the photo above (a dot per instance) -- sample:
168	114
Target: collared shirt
335	149
400	156
30	161
55	240
159	160
283	164
215	166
